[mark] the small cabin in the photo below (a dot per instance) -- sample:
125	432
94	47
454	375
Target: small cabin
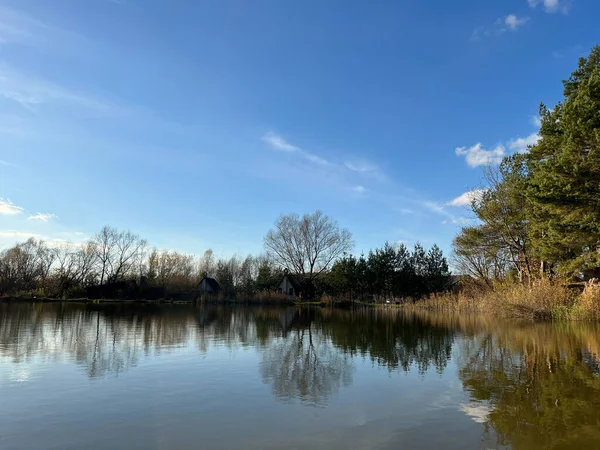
209	286
290	285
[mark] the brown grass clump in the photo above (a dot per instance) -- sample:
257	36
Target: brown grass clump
587	305
541	299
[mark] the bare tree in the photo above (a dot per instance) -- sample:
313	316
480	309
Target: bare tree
104	244
117	253
85	264
128	249
207	264
26	265
308	245
171	269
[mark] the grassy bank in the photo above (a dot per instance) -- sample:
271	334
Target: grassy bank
540	300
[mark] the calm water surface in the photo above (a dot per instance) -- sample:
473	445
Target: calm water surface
149	377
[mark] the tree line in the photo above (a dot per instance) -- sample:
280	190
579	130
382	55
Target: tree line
388	273
35	268
312	247
539	215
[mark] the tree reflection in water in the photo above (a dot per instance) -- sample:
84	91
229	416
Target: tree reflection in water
305	363
534	385
106	339
541	381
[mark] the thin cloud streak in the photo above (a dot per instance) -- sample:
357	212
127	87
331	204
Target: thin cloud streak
365	168
279	143
42	217
9	209
8	164
31	93
18	28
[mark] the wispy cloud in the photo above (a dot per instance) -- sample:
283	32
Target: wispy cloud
31	92
42	217
7	208
18	28
315	159
6	163
364	167
551	6
536	121
279	143
359	190
466	199
503	24
479	156
513	22
440	209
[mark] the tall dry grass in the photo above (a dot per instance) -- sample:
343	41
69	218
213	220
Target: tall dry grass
542	299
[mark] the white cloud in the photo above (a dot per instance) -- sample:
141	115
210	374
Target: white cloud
358	189
521	145
278	143
551	6
42	217
479	156
513	22
7	208
499	27
467	198
406	211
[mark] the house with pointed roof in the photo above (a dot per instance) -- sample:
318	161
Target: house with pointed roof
290	285
209	286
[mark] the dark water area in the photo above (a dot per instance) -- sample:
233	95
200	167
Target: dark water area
183	377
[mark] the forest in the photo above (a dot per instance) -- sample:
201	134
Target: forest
538	215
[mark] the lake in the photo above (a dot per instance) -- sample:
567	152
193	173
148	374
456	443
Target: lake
125	376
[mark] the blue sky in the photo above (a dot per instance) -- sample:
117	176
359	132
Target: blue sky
196	123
